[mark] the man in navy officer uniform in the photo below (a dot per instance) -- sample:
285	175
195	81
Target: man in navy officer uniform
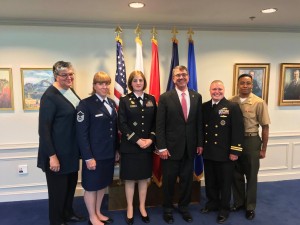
223	138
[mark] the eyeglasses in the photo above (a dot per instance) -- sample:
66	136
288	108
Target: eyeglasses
181	75
66	75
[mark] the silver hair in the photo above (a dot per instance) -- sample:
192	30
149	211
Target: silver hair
61	65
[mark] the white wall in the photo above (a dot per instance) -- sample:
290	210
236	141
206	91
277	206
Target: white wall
94	49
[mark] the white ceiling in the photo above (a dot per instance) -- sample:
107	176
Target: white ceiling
163	14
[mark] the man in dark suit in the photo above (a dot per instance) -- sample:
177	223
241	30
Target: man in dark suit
179	138
224	134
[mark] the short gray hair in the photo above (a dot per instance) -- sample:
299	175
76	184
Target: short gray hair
61	65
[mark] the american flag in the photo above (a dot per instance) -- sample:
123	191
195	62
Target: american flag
120	80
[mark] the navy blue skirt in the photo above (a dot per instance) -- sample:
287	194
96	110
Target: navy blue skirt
94	180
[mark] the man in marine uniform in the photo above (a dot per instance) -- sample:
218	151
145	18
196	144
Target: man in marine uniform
255	113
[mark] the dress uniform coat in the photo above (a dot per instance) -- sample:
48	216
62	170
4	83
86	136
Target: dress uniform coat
223	135
223	130
97	138
136	121
96	129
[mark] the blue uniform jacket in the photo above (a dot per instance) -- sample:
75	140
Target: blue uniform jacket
96	129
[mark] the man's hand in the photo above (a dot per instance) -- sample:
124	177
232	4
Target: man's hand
164	154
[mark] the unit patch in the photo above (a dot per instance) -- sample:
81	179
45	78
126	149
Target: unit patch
149	103
80	116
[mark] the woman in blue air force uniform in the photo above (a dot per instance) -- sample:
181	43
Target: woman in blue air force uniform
98	140
137	112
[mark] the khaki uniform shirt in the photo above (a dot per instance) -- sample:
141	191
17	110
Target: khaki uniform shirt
255	112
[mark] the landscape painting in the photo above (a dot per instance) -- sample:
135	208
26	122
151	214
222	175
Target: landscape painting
34	83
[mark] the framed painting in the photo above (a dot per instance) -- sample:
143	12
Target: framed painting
260	73
6	90
289	86
34	83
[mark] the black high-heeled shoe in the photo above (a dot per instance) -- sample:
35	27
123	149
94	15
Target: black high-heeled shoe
129	221
145	219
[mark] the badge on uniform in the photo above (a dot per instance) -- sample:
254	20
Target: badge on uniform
224	112
135	123
132	104
222	122
80	116
149	103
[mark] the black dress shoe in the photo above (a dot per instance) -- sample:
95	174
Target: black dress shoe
168	218
187	217
236	208
108	221
221	219
129	221
250	214
75	218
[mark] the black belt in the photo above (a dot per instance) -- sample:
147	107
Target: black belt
250	134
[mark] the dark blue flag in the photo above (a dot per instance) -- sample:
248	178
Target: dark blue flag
198	163
174	63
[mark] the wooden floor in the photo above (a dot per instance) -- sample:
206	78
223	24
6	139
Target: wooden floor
117	199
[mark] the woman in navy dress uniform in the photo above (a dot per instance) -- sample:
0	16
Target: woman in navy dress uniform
137	112
98	140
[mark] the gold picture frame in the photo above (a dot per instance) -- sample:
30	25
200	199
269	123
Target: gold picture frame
35	81
260	73
289	85
6	90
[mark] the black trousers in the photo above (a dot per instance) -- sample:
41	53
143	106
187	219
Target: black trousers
218	181
183	169
61	190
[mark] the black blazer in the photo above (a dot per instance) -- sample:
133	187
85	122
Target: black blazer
97	133
172	131
136	121
57	132
224	130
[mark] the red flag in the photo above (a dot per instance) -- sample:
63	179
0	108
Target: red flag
155	90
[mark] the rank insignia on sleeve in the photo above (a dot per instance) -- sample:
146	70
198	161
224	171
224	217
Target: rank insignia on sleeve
80	116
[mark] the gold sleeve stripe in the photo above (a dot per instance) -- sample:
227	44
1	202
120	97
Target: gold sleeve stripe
130	136
236	148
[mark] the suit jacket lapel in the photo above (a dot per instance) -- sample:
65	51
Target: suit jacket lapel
193	103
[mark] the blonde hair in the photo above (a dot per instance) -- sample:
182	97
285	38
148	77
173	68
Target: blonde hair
100	77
